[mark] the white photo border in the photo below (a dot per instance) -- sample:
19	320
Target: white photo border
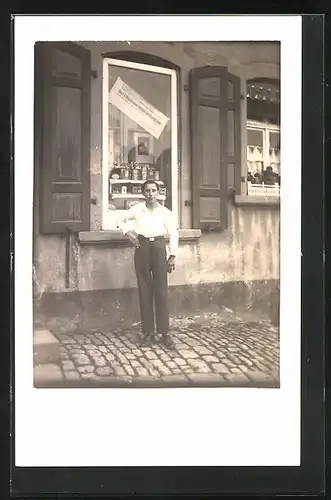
186	427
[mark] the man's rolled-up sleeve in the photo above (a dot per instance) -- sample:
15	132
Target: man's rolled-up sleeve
127	223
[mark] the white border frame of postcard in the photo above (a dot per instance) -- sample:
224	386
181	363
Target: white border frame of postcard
209	427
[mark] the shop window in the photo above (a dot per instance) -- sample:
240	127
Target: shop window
139	135
263	138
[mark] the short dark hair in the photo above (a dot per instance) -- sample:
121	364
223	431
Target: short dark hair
150	182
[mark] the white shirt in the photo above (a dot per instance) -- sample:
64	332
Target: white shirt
159	221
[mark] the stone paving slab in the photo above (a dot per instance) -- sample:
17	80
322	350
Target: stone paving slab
45	347
49	373
215	353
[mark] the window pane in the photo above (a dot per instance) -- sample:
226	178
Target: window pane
274	138
114	116
255	138
139	135
274	152
209	87
255	154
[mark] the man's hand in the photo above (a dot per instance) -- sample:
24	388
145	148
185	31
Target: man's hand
133	237
171	263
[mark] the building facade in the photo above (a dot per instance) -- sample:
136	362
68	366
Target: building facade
201	118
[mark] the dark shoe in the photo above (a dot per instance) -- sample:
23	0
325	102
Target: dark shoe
147	339
167	342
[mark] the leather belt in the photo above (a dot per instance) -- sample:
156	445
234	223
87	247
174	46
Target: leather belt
152	238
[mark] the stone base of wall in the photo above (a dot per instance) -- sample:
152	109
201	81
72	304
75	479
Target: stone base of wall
97	309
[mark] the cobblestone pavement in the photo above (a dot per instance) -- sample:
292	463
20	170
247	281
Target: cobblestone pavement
218	353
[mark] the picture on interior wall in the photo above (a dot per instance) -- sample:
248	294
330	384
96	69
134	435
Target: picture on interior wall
143	148
157	214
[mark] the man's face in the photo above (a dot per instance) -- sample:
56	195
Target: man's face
150	193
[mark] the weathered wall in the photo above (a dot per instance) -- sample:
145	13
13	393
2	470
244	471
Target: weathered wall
248	250
238	269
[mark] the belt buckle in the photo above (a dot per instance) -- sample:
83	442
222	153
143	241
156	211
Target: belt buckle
151	239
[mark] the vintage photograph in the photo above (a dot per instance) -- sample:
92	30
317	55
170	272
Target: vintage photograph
156	242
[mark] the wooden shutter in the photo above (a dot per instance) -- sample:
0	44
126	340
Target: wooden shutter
234	133
215	139
64	92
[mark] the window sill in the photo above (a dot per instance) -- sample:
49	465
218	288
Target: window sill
244	200
116	238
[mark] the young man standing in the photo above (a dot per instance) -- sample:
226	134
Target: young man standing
146	225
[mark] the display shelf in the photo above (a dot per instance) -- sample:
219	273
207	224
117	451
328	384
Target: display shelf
134	196
131	181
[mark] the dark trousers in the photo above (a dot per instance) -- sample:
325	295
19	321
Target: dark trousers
151	270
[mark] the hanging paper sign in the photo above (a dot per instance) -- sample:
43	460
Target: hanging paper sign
137	108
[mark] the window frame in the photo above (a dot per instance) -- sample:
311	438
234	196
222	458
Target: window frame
108	61
266	128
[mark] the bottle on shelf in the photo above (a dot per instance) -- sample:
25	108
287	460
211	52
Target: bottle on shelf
116	189
135	173
144	172
111	204
150	174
